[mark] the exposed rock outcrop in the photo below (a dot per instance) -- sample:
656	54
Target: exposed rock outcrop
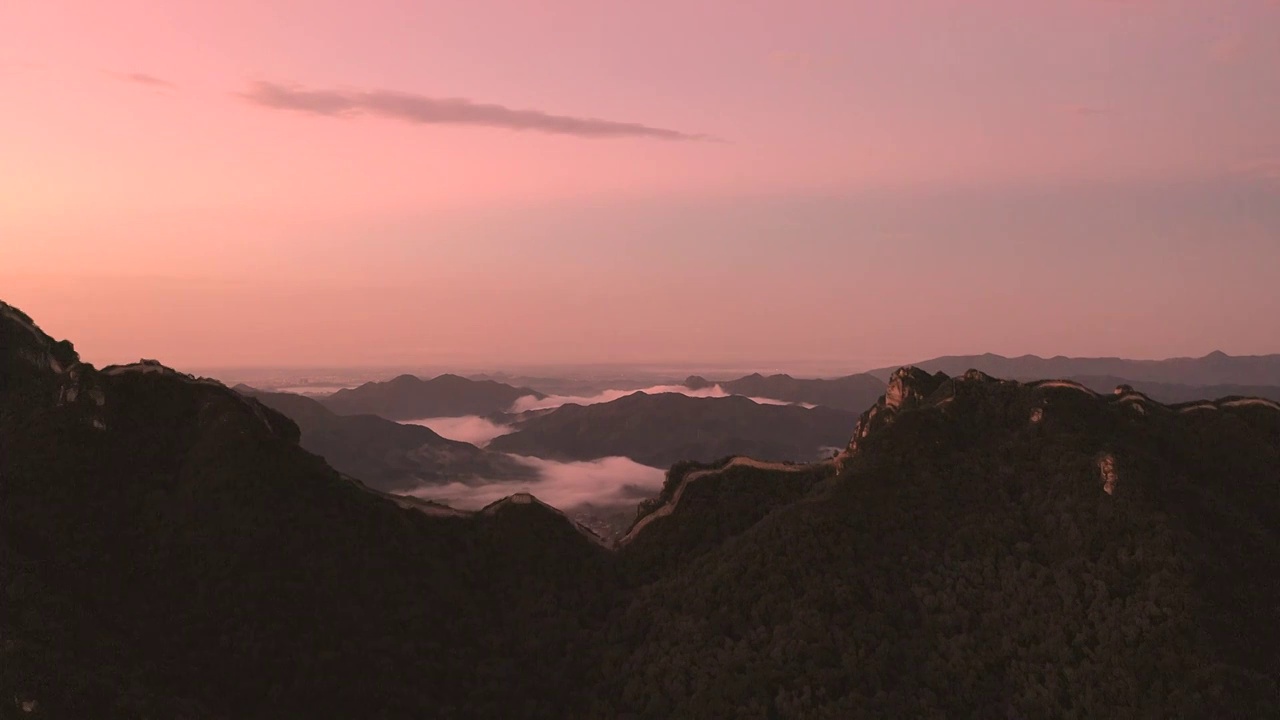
1107	469
28	344
909	387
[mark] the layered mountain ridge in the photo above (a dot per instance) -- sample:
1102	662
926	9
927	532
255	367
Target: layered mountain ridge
851	392
385	454
1216	368
665	428
408	397
982	547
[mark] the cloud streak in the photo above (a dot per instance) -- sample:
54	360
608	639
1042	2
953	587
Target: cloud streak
147	80
1082	110
421	109
1264	169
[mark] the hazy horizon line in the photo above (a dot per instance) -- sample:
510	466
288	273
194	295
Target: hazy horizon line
688	367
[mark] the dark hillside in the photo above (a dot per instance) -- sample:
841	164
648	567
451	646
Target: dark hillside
982	548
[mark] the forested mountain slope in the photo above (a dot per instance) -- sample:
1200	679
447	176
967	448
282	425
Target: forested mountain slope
990	549
385	454
851	392
168	550
408	397
982	548
666	428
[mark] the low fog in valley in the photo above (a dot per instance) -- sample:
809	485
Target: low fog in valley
607	482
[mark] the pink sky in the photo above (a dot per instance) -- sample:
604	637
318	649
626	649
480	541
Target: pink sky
888	181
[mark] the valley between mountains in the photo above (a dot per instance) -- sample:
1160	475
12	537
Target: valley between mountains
964	545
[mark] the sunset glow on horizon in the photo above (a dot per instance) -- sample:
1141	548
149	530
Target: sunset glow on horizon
390	183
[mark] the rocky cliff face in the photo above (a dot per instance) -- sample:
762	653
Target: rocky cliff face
37	370
46	376
909	387
1045	406
29	346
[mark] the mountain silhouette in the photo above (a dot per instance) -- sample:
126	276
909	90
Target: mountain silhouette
980	548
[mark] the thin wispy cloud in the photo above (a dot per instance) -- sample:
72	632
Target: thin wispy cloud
1082	110
797	60
421	109
148	80
1266	169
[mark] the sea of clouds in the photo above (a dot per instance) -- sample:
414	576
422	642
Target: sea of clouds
602	482
607	481
468	428
480	431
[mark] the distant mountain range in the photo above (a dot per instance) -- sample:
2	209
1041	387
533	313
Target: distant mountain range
384	454
576	384
982	548
852	392
662	429
410	398
1179	379
1216	368
1176	393
656	430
